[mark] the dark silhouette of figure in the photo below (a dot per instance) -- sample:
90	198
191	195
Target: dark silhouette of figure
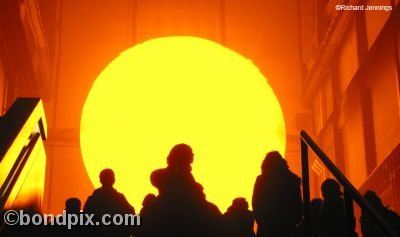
368	226
277	202
315	211
73	205
176	180
181	208
107	200
148	214
147	203
238	219
332	218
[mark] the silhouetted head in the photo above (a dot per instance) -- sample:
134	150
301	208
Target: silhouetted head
181	156
273	161
316	202
73	205
373	199
107	178
315	205
240	203
158	180
148	200
330	188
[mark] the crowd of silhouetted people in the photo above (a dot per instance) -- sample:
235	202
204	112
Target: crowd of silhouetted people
181	209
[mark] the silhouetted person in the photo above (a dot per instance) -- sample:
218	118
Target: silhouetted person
181	208
107	200
368	227
148	215
147	203
73	205
332	218
177	179
315	212
277	203
238	219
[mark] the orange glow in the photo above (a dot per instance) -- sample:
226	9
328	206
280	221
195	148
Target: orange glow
181	90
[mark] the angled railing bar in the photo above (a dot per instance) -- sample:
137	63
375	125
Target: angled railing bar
307	141
20	128
14	174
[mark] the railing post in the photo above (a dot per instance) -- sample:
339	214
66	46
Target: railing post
349	214
306	188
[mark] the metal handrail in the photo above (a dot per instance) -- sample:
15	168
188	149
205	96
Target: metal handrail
14	175
20	128
307	142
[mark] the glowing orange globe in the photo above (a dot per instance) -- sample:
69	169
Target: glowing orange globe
174	90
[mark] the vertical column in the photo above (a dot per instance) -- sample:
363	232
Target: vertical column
362	37
366	103
368	129
396	52
396	165
306	187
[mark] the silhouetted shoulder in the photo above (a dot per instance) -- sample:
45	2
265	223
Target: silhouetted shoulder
296	177
126	206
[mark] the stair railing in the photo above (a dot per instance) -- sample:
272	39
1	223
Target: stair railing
350	192
20	129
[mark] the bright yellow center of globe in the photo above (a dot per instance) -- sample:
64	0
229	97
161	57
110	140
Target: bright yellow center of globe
174	90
